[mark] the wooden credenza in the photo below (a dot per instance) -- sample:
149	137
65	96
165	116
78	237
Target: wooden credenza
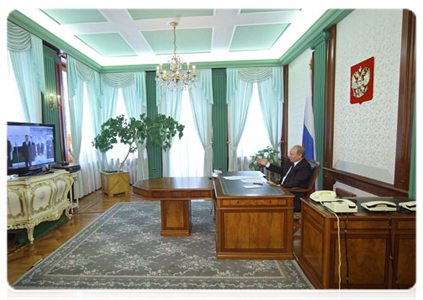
253	223
35	199
369	244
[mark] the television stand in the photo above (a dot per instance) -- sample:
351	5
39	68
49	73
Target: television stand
35	199
36	173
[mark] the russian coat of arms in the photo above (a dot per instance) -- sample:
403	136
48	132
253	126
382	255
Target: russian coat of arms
362	81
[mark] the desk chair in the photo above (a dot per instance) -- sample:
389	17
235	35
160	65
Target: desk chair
315	168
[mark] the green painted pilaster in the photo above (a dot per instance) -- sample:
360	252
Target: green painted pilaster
154	152
51	115
220	137
319	46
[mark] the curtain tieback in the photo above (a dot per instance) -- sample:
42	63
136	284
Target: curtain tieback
232	147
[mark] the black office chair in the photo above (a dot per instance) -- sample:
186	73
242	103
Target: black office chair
315	168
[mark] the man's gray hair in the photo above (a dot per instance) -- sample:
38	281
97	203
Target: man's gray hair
300	150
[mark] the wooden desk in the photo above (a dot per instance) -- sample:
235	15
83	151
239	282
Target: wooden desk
368	244
174	195
253	223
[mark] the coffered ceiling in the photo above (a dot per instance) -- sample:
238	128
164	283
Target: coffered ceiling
118	37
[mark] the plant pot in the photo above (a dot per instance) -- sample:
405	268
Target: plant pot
115	184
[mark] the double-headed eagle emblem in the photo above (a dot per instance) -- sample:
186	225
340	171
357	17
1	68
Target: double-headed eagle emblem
359	82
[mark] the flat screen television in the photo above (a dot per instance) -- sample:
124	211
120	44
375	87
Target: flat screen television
30	147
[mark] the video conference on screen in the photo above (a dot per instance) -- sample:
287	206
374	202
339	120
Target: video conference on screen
29	146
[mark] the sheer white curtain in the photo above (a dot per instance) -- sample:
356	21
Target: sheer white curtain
201	99
186	156
25	56
88	159
119	151
170	106
14	112
254	136
237	117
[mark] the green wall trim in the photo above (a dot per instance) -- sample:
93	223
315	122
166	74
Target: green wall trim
319	105
26	23
329	18
154	153
323	36
220	152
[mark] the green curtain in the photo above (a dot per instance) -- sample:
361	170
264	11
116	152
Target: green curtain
154	152
50	114
414	188
319	46
220	153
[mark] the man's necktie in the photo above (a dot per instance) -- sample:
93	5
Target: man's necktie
286	175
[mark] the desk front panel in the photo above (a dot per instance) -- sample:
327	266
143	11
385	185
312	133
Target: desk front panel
254	227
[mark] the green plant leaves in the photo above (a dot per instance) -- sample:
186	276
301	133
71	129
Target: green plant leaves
269	153
160	131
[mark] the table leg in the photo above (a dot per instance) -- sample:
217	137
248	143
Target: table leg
176	217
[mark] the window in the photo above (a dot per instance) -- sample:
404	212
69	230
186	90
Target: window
254	137
65	102
119	150
187	154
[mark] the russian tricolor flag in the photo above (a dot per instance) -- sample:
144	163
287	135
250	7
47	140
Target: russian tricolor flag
308	133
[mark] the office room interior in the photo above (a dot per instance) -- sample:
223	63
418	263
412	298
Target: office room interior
88	86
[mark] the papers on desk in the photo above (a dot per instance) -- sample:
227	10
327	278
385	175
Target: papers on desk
259	180
250	178
253	186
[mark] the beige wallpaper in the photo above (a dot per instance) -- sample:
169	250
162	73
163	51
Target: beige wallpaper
365	134
298	89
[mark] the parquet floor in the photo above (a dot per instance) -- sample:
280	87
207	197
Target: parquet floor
21	258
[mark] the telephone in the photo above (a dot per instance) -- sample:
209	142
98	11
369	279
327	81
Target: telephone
341	206
411	205
379	206
322	196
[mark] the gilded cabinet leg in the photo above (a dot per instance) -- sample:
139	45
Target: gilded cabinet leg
68	212
30	234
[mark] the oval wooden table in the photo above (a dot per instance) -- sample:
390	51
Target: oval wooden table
175	195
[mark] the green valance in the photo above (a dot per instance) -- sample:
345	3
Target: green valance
122	80
19	40
257	74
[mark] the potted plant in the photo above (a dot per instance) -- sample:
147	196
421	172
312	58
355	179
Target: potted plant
159	131
272	156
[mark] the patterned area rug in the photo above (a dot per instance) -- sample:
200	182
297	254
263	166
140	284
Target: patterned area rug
123	249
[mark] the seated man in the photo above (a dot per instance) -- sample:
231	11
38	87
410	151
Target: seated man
295	173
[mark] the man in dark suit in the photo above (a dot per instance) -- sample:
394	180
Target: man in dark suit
7	153
295	173
28	151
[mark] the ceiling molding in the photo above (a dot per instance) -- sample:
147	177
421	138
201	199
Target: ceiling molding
329	18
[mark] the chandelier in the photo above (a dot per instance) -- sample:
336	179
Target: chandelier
176	79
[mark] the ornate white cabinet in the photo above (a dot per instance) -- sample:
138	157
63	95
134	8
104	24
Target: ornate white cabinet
35	199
